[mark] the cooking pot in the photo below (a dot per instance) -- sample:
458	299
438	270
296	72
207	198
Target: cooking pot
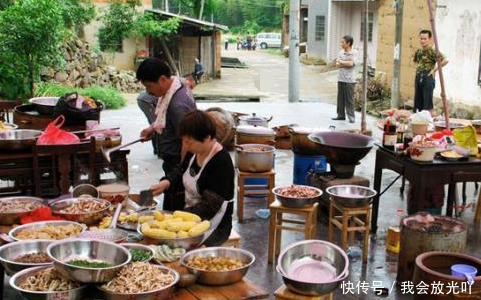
224	123
255	158
44	105
254	120
246	134
300	142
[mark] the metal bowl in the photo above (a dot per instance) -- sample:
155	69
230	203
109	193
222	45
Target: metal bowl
220	277
10	126
132	246
85	189
10	218
9	252
187	243
113	235
111	253
314	250
44	105
87	218
12	233
17	279
20	139
159	294
351	195
294	202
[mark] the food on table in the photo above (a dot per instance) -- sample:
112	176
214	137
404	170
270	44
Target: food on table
42	213
84	205
140	255
4	126
164	253
33	258
138	277
214	263
18	205
257	149
115	198
49	232
114	193
423	141
130	218
95	264
298	191
178	225
47	280
451	154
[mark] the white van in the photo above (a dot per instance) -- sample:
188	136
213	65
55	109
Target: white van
269	40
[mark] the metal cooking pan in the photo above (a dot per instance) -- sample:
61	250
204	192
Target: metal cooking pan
17	140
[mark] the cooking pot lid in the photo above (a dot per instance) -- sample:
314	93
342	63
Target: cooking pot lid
253	117
302	130
257	130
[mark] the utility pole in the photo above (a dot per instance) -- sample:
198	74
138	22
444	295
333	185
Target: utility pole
396	77
364	66
167	5
294	51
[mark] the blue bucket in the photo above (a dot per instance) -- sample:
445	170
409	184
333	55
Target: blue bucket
303	164
258	181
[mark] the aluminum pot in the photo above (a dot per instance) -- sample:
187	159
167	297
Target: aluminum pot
18	140
87	218
44	105
300	142
255	158
246	134
255	120
9	218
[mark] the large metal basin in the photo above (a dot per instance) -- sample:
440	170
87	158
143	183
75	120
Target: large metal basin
342	147
17	140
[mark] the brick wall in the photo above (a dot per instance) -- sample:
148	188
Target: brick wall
415	18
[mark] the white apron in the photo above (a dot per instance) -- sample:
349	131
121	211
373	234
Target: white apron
192	195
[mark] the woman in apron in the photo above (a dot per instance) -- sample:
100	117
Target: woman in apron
206	176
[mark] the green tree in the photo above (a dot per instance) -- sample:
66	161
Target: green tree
31	32
77	13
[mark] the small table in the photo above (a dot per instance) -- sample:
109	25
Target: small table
424	174
242	290
283	293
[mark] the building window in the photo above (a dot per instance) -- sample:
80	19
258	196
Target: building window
117	47
320	28
370	23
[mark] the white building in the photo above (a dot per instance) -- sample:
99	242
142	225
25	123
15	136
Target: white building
330	20
458	26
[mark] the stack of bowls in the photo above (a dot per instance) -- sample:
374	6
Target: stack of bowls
313	267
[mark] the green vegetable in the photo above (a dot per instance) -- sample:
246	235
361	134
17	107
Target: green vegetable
89	264
140	255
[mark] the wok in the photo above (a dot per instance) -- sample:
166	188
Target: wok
20	139
342	147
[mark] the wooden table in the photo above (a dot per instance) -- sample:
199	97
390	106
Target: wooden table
242	290
424	174
18	167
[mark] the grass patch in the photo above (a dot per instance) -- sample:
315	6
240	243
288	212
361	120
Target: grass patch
273	51
112	98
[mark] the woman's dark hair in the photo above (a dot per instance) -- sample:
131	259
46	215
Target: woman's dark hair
151	69
348	39
426	31
198	125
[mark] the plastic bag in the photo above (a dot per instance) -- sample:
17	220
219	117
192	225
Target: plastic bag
466	137
53	135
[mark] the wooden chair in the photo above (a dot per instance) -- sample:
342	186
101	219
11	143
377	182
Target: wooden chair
61	159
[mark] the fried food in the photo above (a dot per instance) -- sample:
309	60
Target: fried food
213	263
49	232
47	280
298	191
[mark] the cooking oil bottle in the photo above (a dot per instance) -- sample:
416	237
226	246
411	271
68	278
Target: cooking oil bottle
393	238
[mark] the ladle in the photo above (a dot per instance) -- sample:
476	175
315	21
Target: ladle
106	152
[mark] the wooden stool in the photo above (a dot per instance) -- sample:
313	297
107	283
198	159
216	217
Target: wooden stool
276	225
283	293
243	189
347	220
234	240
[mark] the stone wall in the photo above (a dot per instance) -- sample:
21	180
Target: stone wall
84	68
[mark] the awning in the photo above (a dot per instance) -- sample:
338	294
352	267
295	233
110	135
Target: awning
191	21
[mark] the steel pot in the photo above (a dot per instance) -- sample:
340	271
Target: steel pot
300	142
255	158
17	140
44	105
246	134
254	120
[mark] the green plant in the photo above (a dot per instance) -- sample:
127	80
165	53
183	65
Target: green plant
147	24
25	44
112	98
5	3
117	23
77	13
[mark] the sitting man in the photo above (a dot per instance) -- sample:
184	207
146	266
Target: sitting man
198	71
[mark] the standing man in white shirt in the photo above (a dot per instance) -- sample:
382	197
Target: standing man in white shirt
346	63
